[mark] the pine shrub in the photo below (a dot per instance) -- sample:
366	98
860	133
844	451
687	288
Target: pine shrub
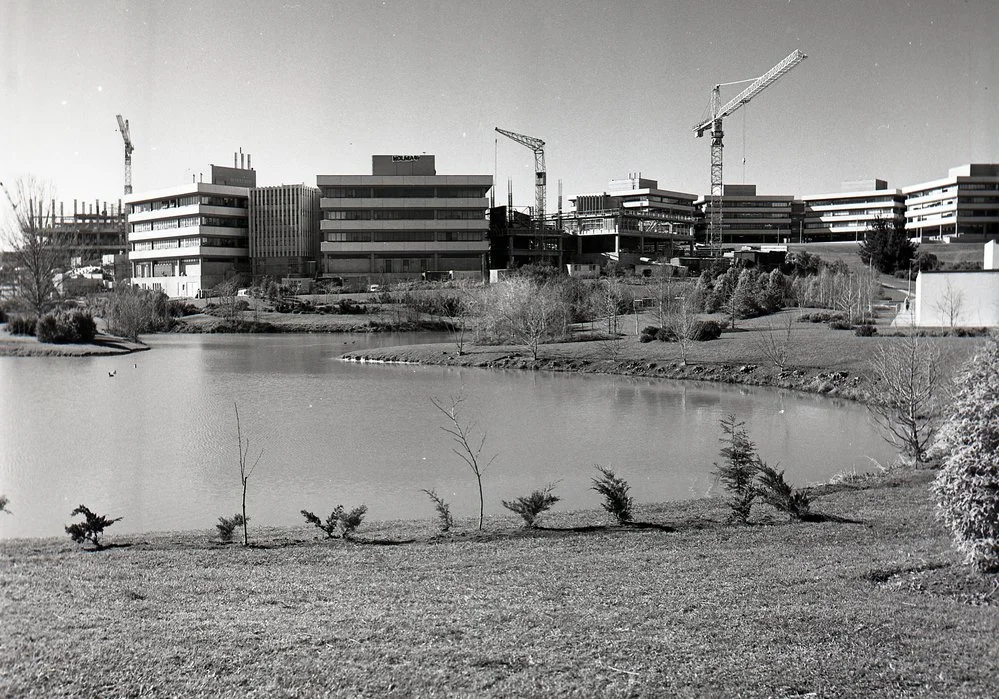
778	493
339	524
617	502
228	525
444	519
91	529
866	330
737	473
22	325
531	507
967	487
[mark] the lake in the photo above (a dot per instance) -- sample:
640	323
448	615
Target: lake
156	442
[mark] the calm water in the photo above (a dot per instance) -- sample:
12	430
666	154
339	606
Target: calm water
156	443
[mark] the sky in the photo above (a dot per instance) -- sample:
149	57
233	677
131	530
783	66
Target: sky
896	90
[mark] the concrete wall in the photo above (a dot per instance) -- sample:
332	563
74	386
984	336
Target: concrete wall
972	298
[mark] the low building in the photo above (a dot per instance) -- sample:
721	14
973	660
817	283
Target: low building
963	205
516	240
748	217
847	215
284	231
188	239
967	298
403	221
632	220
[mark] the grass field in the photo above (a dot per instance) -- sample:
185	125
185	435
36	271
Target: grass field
876	605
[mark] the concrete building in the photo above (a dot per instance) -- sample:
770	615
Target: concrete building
961	298
516	240
403	221
748	217
965	204
284	231
633	219
848	214
188	239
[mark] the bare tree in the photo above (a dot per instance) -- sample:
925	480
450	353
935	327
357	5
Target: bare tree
468	448
908	393
682	321
245	470
527	313
229	301
950	304
38	247
777	341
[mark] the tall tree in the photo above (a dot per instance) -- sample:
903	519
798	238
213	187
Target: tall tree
886	245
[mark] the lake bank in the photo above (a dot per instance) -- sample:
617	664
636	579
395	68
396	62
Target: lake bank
102	346
690	608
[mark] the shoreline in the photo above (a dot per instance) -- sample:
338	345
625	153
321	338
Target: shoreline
102	346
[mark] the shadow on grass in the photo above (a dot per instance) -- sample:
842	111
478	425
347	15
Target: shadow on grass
381	542
820	517
107	547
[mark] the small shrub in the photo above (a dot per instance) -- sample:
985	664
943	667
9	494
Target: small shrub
866	330
227	526
705	330
615	491
778	493
531	508
21	325
840	325
649	333
444	519
339	524
737	472
59	327
91	529
4	501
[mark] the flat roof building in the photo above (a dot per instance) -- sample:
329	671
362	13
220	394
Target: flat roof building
188	239
963	204
284	231
848	214
748	217
403	221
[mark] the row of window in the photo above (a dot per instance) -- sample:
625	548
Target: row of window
188	200
188	221
394	192
192	242
403	236
404	215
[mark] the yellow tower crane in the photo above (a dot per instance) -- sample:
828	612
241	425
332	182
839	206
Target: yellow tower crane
714	122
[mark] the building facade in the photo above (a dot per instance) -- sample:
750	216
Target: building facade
847	215
403	221
186	240
633	219
748	217
283	231
964	204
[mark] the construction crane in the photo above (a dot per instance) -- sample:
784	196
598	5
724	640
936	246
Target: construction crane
538	146
123	127
714	122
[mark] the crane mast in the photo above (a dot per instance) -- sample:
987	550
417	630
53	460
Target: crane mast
540	177
123	128
714	123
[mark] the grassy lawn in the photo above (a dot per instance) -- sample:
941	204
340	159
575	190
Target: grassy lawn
877	606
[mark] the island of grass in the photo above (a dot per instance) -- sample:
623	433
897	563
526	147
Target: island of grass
873	601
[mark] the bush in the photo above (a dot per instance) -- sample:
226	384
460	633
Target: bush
4	501
340	524
227	526
866	330
444	519
59	327
615	491
531	508
840	325
91	529
966	487
653	332
778	493
349	307
22	325
705	330
821	317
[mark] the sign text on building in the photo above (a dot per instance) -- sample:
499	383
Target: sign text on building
404	158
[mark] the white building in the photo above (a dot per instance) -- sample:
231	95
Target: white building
748	217
847	215
188	239
967	298
964	204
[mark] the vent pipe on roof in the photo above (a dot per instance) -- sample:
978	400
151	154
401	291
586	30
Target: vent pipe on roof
248	166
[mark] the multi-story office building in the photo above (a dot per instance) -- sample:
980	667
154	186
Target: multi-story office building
403	221
748	217
965	204
284	231
848	214
633	219
188	239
